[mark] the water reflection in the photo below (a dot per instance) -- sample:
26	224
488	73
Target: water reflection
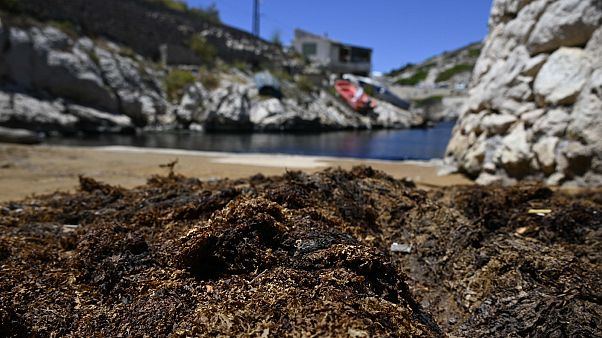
415	144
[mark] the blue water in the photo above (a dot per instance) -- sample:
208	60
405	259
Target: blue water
409	144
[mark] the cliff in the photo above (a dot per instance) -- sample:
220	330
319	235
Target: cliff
535	105
96	66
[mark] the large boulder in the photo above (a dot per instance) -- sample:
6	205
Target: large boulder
515	154
139	94
563	76
496	124
93	121
230	109
192	105
66	71
565	23
22	136
18	110
390	116
553	123
103	85
22	111
586	122
545	151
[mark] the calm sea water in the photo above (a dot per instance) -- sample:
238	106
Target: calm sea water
410	144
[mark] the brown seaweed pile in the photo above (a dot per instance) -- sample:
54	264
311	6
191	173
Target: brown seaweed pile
301	255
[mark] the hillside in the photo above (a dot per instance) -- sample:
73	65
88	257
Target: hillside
66	69
449	69
437	87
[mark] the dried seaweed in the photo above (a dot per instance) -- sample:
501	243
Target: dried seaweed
301	254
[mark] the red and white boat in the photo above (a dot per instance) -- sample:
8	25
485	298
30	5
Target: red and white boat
354	95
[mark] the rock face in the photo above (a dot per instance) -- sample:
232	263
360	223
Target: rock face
54	82
145	25
22	136
534	109
237	106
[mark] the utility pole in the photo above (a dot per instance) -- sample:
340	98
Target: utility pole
256	17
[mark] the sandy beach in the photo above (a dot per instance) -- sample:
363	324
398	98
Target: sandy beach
27	170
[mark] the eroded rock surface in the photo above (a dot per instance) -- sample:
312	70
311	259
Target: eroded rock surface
60	81
539	73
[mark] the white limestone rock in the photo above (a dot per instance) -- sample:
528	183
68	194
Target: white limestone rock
563	76
545	151
553	123
496	124
586	124
515	154
565	23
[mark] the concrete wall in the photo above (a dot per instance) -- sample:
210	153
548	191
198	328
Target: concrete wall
327	55
323	49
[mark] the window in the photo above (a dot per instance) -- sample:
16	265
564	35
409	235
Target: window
343	54
309	48
360	55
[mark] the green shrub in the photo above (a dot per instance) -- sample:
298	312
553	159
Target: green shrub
305	84
453	71
203	49
452	54
210	80
176	5
210	13
419	76
281	75
474	52
240	65
66	27
428	101
176	82
127	52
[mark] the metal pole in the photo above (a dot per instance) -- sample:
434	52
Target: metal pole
256	17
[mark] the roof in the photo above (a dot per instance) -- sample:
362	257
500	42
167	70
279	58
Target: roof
299	33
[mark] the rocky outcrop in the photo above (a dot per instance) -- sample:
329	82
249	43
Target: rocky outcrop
145	26
535	104
237	106
54	82
22	136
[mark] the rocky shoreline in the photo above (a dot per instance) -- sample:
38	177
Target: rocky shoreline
56	82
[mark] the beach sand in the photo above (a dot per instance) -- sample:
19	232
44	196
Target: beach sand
42	169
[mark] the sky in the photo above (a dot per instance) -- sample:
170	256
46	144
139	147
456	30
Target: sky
399	31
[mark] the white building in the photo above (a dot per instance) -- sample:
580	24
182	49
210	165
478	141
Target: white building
335	56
